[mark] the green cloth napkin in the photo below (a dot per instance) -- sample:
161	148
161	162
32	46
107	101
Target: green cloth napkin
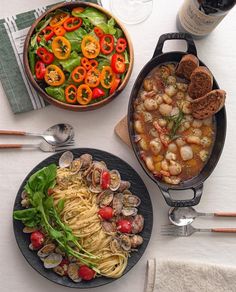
20	94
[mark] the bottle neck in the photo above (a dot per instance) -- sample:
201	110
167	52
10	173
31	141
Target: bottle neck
215	7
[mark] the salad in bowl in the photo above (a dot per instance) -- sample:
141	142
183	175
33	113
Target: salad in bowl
78	56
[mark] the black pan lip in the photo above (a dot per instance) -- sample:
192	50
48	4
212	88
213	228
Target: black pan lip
49	273
199	179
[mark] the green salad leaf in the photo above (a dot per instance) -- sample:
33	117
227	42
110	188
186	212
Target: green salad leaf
57	92
75	37
94	15
45	216
70	63
108	27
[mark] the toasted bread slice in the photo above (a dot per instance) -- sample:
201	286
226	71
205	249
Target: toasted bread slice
186	66
201	82
208	104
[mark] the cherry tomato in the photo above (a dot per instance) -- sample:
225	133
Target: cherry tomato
124	226
105	180
98	92
37	239
86	273
50	192
106	213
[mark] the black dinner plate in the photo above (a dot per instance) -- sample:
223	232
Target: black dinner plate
137	187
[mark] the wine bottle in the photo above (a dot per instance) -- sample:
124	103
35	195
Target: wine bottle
200	17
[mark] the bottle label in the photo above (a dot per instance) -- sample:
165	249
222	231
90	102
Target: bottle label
195	21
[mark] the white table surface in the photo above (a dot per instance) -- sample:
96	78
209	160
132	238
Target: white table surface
95	129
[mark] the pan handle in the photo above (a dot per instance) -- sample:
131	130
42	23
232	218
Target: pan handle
197	190
191	49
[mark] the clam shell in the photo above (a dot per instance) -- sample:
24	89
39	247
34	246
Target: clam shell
66	159
53	260
129	211
115	180
86	160
115	245
72	272
59	270
27	229
108	227
136	240
46	250
125	242
24	195
105	198
117	204
131	200
96	176
76	165
96	189
137	224
124	185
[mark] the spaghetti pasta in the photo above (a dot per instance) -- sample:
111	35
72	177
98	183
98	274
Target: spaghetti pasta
80	213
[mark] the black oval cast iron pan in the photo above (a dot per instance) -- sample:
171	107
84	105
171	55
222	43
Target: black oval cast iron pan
196	183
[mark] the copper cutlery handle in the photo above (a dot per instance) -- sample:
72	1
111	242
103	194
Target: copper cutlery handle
225	214
9	146
7	132
225	230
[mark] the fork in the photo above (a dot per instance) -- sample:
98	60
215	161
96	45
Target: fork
172	230
44	146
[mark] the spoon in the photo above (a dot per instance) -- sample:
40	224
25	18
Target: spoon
55	135
186	215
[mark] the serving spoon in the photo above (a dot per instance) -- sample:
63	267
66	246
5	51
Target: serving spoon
55	135
186	215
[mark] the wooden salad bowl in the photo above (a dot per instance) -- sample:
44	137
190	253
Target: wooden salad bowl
42	92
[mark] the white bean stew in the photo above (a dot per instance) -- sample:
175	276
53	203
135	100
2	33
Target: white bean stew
173	144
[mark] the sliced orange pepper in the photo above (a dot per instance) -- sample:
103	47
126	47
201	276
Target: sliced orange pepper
92	78
78	74
61	47
114	85
90	47
59	30
71	94
84	94
54	76
107	77
77	10
59	19
85	63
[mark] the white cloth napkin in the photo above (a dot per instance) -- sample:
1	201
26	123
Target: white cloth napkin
181	276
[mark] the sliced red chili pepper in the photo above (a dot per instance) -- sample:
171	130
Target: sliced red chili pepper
98	31
107	44
59	30
121	45
92	78
118	63
114	85
46	56
85	63
40	70
71	94
98	92
93	63
78	74
105	180
47	33
72	23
